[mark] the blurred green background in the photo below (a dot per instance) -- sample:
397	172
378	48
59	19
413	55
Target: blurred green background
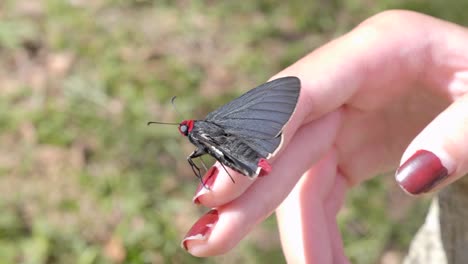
84	180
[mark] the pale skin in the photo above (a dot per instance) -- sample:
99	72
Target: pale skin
370	99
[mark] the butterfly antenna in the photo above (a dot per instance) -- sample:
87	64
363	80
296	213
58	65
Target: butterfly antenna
162	123
174	105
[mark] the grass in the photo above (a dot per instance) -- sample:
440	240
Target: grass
84	180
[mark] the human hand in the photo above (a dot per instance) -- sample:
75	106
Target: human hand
399	80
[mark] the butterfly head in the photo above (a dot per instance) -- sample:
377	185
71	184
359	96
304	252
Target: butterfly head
185	127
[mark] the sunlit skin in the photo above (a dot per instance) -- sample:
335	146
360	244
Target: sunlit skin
370	99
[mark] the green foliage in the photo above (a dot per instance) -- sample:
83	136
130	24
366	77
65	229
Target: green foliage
84	180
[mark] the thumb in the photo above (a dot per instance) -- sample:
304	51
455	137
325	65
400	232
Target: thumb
439	154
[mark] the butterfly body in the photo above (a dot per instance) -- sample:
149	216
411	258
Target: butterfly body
230	150
246	132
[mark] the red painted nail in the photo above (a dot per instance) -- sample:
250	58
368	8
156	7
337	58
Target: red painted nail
421	172
201	229
208	181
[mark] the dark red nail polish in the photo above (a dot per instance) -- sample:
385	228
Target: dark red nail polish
421	172
201	229
208	181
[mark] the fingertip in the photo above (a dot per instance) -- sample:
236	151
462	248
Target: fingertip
218	188
423	171
206	184
198	234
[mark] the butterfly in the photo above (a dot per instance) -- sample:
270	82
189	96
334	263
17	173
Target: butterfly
246	132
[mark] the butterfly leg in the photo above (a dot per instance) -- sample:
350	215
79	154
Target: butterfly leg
196	170
203	164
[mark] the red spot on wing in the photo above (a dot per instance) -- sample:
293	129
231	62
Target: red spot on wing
265	167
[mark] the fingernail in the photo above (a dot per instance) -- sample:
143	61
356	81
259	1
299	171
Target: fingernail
208	181
421	172
201	229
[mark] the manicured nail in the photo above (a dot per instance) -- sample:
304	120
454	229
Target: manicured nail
202	228
208	181
421	172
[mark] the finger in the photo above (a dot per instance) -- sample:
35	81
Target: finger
304	242
302	218
333	203
238	217
307	218
439	154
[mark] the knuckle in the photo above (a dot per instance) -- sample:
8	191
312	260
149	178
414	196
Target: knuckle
388	20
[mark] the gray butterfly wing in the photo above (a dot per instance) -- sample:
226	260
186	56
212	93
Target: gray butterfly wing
258	116
240	156
265	147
